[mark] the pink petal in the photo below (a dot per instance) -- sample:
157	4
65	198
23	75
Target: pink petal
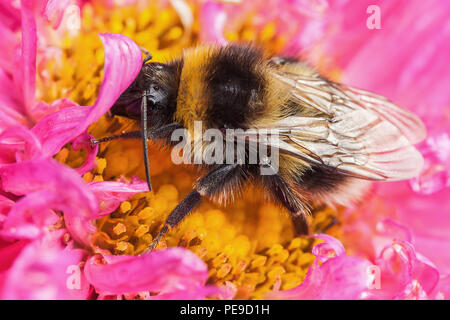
425	216
10	103
54	11
9	23
213	19
442	290
5	205
339	277
80	229
382	235
435	175
403	272
43	270
399	273
57	129
415	71
9	15
83	141
164	271
111	193
29	217
42	109
60	186
9	252
198	292
328	249
27	78
393	230
123	61
18	144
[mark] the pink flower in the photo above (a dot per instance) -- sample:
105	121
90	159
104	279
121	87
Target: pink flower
398	239
39	271
406	60
397	273
158	271
39	257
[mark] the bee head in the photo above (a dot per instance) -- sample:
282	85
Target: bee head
157	81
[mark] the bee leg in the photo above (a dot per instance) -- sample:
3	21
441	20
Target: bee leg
334	221
148	55
159	133
300	224
286	196
209	185
126	135
178	214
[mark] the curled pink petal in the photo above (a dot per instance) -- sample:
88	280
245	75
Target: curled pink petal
388	230
436	173
83	141
111	193
404	274
164	271
328	249
338	277
59	185
123	61
425	216
18	144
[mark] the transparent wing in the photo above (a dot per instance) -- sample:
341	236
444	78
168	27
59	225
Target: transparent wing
333	98
360	134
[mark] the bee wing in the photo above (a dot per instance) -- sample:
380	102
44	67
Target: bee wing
360	134
333	98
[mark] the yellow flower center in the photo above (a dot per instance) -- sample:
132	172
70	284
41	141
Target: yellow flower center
250	244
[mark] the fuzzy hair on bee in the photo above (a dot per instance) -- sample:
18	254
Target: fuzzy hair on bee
331	138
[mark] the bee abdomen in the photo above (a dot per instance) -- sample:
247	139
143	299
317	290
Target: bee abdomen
328	185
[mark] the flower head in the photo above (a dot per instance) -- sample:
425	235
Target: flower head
74	218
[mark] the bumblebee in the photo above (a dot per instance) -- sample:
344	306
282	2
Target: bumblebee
331	138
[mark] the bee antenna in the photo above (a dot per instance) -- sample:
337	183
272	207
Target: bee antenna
144	138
